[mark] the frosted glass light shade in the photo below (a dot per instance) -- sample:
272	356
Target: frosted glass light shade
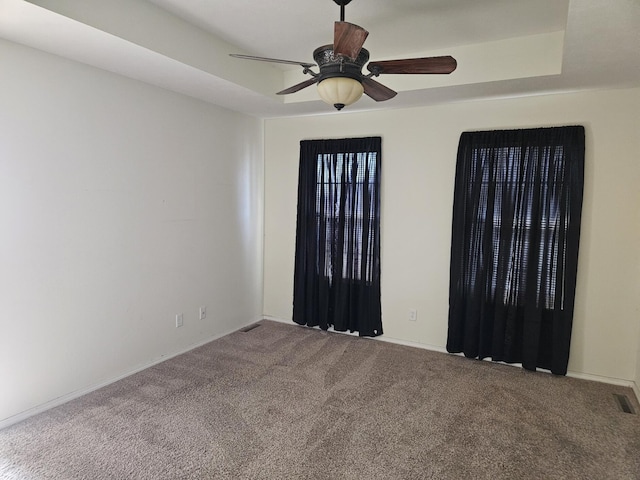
340	91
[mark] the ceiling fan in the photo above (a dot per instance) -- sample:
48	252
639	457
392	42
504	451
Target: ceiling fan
341	81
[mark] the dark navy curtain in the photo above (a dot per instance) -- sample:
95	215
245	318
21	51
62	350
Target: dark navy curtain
514	253
337	260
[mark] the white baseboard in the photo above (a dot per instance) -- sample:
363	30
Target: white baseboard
78	393
435	348
599	378
382	338
276	319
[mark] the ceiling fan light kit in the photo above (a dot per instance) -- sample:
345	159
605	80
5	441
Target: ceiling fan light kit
340	91
341	81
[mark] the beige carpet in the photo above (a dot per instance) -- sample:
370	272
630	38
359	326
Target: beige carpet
289	402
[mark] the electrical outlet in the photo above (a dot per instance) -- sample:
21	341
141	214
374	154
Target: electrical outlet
203	313
179	320
413	315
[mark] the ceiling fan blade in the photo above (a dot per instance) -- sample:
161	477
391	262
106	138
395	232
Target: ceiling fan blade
446	64
376	90
298	87
348	39
272	60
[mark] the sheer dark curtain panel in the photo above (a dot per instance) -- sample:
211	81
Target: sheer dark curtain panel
514	253
337	260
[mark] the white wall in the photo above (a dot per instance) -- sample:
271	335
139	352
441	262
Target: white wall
637	379
419	154
120	205
637	313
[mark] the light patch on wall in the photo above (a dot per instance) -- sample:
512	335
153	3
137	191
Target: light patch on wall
245	192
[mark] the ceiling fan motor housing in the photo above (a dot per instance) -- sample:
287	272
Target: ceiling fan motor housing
340	66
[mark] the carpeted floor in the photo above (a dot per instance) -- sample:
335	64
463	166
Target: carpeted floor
288	402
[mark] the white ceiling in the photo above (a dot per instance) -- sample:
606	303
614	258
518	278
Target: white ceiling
504	47
287	29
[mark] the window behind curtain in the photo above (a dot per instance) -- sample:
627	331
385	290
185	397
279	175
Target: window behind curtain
337	263
343	180
515	237
514	170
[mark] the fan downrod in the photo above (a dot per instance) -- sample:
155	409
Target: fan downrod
342	3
